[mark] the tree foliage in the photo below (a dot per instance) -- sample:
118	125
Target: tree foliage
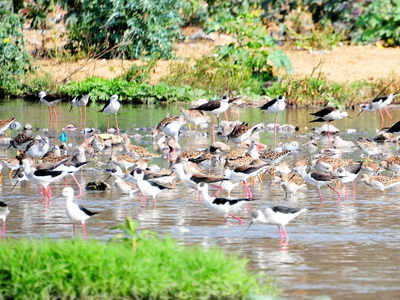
14	60
130	28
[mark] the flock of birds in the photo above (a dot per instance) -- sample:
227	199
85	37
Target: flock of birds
236	158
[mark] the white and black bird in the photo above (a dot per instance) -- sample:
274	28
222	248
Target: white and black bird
112	107
277	215
79	101
148	188
329	114
223	206
276	106
379	103
216	107
76	213
4	211
349	173
50	101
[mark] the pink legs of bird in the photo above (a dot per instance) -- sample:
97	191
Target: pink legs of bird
79	186
333	189
108	123
275	128
116	123
248	191
382	118
212	131
83	230
3	230
236	218
284	238
84	119
329	136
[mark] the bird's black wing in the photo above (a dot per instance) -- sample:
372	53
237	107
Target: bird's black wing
354	168
395	128
86	211
322	176
268	104
317	120
2	204
222	201
105	105
161	187
285	209
381	98
247	169
209	106
323	112
46	172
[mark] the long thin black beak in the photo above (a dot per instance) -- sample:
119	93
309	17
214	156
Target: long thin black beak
70	108
360	113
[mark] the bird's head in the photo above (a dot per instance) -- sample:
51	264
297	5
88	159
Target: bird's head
42	94
203	187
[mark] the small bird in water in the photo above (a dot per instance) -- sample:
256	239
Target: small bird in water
277	215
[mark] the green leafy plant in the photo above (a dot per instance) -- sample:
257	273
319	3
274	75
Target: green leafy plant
380	21
126	28
241	66
101	89
14	60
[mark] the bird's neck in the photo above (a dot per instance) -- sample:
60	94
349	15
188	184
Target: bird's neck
206	196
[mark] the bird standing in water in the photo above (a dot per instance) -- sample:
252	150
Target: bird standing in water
275	105
112	107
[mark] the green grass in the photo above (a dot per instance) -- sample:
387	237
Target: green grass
157	269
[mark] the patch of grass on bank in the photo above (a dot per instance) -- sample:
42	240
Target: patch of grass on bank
157	269
318	91
130	91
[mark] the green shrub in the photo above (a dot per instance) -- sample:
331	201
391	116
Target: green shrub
14	60
241	66
133	92
155	269
380	21
129	28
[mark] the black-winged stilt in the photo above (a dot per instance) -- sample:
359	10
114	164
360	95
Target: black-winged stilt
277	215
216	107
223	206
329	114
112	107
379	103
76	213
276	106
81	100
50	101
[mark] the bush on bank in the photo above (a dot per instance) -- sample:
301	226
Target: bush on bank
154	269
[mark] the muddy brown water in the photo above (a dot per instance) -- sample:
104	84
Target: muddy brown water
346	250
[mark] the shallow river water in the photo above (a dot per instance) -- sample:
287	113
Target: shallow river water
346	250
